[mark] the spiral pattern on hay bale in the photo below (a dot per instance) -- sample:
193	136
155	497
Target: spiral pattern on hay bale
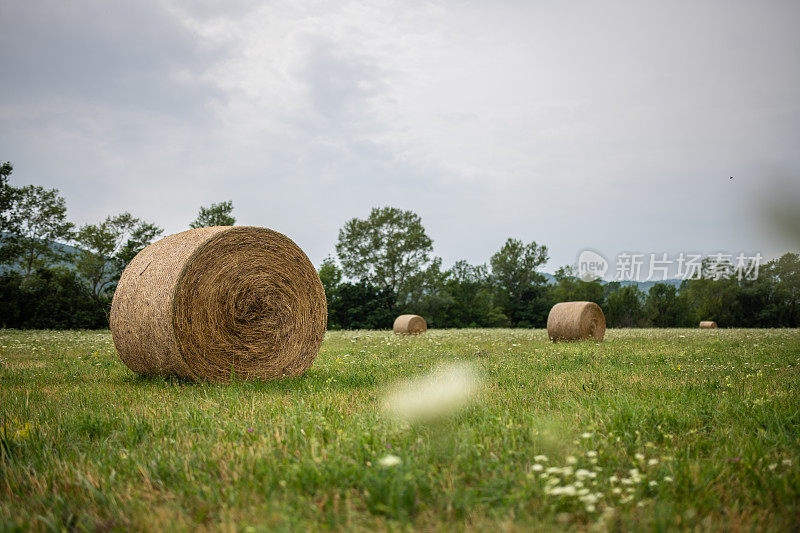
218	302
708	324
410	325
573	321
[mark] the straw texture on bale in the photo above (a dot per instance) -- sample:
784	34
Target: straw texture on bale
708	324
572	321
212	303
410	324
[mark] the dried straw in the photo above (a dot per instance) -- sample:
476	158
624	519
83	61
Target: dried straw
572	321
410	325
708	324
213	303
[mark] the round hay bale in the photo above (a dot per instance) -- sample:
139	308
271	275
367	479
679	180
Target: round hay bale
214	303
410	325
708	324
573	321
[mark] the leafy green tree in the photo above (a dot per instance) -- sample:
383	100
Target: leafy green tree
473	304
216	215
51	298
6	198
784	275
426	294
331	276
385	249
108	247
520	287
758	303
663	308
39	219
6	190
624	306
714	296
514	266
570	288
362	306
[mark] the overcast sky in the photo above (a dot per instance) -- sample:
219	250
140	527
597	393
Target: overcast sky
609	125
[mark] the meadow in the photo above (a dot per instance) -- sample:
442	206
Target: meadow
648	430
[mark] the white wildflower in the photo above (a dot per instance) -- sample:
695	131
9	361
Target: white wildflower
433	396
388	461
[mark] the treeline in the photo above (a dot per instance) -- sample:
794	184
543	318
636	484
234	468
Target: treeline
385	267
57	275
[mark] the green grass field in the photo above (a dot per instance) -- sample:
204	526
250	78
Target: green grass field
651	429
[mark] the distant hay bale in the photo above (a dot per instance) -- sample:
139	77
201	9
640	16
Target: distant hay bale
708	324
410	325
572	321
213	303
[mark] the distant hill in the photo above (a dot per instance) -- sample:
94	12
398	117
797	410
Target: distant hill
61	247
644	286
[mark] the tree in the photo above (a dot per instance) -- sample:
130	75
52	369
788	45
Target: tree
108	247
216	215
385	249
52	298
514	267
784	274
624	305
570	288
426	294
663	307
521	289
714	296
6	198
473	304
362	306
6	190
331	277
39	219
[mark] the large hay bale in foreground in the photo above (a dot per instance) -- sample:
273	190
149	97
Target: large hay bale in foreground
212	303
573	321
708	324
410	324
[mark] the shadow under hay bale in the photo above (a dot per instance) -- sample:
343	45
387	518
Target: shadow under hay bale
214	303
708	324
410	325
573	321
